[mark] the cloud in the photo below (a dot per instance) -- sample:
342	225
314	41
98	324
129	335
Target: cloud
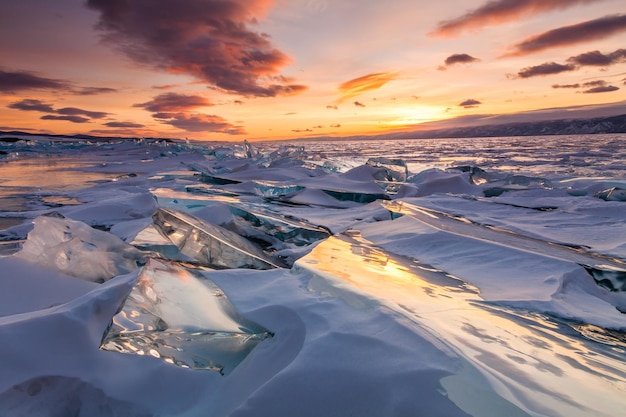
460	59
547	68
590	30
598	86
165	87
32	105
73	119
174	102
359	104
92	91
601	89
73	111
497	12
198	122
207	39
597	58
360	85
129	125
38	105
470	103
13	82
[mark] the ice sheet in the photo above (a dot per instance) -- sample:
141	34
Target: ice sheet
415	317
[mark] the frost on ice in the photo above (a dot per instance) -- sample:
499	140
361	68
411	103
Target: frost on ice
177	314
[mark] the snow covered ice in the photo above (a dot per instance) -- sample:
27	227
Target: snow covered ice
450	277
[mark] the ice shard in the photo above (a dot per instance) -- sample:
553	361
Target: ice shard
608	271
76	249
391	169
275	189
208	243
284	228
177	314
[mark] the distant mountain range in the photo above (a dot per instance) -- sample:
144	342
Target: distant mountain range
578	126
611	124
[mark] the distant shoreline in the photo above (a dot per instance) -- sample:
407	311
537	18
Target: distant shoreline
578	126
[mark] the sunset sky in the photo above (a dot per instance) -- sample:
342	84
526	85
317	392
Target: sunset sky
262	69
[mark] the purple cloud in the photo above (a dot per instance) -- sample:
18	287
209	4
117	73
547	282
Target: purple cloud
590	30
547	68
207	39
129	125
601	89
38	105
198	122
498	12
92	91
470	103
460	59
73	111
597	58
32	105
174	102
15	81
73	119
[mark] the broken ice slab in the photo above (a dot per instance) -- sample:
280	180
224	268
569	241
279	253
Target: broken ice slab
286	229
391	169
607	271
274	189
150	239
355	196
189	201
179	315
208	243
76	249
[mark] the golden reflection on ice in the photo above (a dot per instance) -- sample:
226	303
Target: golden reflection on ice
541	365
52	173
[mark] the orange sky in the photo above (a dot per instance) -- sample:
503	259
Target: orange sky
262	69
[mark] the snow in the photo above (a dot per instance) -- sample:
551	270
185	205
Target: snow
491	292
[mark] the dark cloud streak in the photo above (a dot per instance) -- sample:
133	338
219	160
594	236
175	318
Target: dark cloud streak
497	12
71	114
590	30
73	119
16	81
129	125
547	68
601	89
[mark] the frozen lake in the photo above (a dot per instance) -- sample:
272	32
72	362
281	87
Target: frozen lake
447	277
